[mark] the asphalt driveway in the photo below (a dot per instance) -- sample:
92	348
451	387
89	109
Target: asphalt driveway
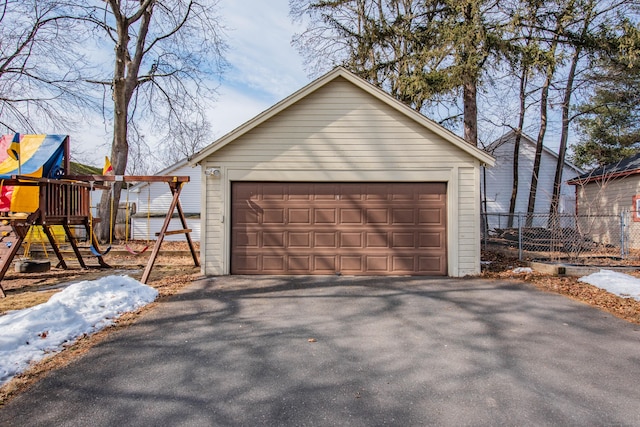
323	351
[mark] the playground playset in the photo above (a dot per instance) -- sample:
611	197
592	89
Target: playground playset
37	192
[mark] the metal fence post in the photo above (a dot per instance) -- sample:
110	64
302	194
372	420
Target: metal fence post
520	236
622	235
485	229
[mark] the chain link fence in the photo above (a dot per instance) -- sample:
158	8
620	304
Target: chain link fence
563	236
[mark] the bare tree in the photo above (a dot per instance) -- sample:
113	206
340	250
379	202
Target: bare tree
164	53
587	37
185	139
41	68
559	17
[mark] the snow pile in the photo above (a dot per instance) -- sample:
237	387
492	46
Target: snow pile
82	308
616	283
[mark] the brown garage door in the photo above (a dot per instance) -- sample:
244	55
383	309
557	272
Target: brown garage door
328	228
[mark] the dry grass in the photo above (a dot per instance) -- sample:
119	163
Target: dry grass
625	308
21	300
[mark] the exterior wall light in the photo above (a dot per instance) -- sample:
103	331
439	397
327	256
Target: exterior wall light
212	172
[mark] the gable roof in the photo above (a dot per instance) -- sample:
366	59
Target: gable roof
625	167
509	136
165	171
372	90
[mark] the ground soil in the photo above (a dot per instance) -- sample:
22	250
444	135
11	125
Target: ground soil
500	266
175	271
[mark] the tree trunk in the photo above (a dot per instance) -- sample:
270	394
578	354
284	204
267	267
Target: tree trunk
564	136
125	81
516	148
539	145
107	209
470	111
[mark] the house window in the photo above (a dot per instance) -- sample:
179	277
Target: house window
636	208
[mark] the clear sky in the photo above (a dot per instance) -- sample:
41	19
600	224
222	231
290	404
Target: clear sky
264	69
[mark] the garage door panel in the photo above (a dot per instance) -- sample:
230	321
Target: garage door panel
273	239
246	216
325	216
351	216
351	264
403	264
351	240
403	216
352	192
432	240
247	264
402	192
325	192
248	239
349	228
432	191
326	240
300	239
431	217
273	263
377	264
274	191
378	216
432	263
301	192
299	263
325	264
301	216
377	240
377	192
249	191
273	216
403	240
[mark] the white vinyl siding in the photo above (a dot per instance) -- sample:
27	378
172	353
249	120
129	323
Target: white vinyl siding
499	180
468	230
154	199
141	229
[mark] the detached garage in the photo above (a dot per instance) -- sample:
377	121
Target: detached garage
340	178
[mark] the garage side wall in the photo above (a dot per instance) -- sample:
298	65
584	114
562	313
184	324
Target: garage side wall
600	204
341	133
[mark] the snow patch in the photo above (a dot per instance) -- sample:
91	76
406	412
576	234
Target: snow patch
82	308
614	282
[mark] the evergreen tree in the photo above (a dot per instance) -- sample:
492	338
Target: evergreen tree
610	123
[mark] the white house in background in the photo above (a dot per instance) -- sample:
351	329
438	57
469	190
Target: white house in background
152	200
498	180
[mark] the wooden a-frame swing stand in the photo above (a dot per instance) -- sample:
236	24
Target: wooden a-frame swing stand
66	202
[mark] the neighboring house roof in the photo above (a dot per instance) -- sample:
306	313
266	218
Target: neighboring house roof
80	169
625	167
510	136
165	171
477	153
